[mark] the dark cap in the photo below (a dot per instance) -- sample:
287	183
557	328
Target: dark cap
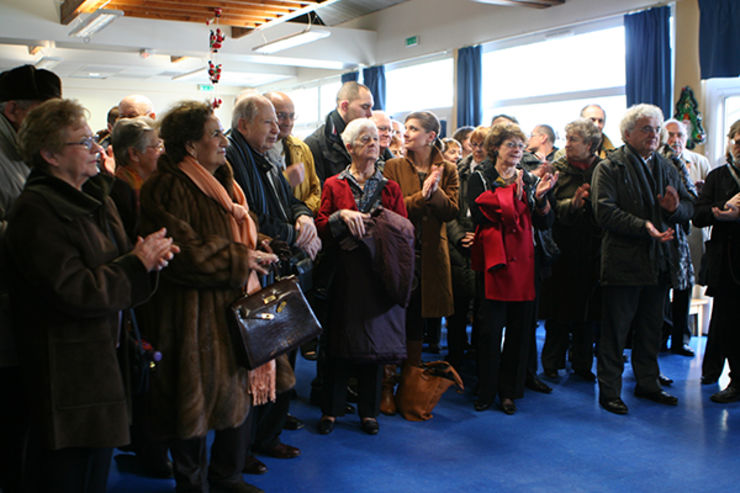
28	82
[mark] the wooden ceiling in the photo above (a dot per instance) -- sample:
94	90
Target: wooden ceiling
248	14
537	4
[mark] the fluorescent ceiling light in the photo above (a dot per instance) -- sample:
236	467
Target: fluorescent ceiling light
291	41
48	62
95	22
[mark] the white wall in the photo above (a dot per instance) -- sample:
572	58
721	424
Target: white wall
98	96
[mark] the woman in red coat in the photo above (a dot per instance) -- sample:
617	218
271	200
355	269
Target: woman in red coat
504	202
362	314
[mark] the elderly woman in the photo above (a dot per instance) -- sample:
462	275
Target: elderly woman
366	325
719	206
73	272
136	147
199	386
429	185
571	295
505	202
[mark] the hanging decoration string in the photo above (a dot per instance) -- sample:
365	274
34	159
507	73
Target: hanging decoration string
215	41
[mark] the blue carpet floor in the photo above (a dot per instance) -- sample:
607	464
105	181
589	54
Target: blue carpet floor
561	442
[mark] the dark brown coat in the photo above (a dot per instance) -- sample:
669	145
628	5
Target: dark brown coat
70	281
429	217
197	386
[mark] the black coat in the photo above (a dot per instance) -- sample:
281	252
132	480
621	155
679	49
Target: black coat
722	266
623	197
329	154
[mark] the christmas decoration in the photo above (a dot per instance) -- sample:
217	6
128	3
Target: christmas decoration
215	42
687	110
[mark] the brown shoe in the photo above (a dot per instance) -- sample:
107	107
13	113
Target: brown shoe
281	451
254	466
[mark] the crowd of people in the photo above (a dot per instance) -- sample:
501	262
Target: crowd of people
156	225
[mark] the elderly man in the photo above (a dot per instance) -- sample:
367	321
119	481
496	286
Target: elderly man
694	168
136	105
292	156
638	198
385	131
281	216
596	114
21	89
329	154
254	131
542	143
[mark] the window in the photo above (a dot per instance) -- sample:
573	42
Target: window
549	81
312	104
422	86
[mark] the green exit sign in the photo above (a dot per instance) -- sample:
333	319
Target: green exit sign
412	41
205	87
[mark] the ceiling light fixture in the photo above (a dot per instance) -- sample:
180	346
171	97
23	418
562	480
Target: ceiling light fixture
95	22
48	62
291	41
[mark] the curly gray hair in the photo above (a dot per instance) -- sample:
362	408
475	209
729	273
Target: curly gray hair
587	130
637	112
357	127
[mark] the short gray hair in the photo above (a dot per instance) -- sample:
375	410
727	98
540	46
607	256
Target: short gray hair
128	133
664	130
355	128
247	107
637	112
588	131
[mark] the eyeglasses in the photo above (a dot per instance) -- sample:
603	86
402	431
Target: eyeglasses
647	129
366	139
88	142
476	144
158	146
515	145
384	129
281	115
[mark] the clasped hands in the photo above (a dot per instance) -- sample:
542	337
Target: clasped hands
730	211
431	183
155	250
669	202
307	238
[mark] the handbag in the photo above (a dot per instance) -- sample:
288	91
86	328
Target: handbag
422	387
274	320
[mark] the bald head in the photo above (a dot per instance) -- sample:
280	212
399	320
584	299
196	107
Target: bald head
136	105
383	123
284	110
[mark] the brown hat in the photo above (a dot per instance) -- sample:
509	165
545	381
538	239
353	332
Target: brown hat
28	82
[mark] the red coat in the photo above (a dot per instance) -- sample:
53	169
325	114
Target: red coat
504	249
337	195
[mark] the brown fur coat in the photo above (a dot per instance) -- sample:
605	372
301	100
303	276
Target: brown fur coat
197	386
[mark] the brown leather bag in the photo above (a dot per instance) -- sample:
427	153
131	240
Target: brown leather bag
422	387
270	322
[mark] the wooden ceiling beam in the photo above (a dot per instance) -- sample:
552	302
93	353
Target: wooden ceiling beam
237	7
159	9
70	9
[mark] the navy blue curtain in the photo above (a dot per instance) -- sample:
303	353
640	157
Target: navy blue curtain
719	38
648	58
374	79
469	86
350	77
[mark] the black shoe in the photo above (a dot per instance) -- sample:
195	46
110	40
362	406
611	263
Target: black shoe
587	375
534	383
550	373
615	406
280	451
508	406
370	426
254	466
730	394
683	350
325	426
659	396
482	405
709	379
309	350
292	423
664	381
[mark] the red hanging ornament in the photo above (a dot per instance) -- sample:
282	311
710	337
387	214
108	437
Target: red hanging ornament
216	40
216	103
214	72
